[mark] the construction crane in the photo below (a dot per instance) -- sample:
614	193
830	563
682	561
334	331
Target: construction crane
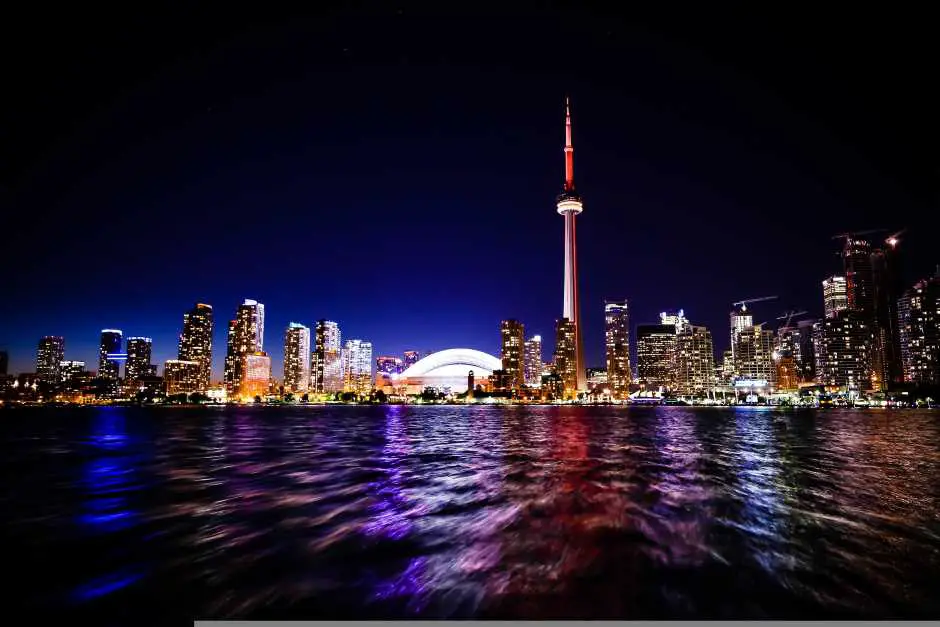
788	316
744	302
851	234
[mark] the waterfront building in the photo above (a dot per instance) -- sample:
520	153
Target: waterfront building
597	378
806	355
570	206
49	356
182	376
109	354
695	360
889	288
448	371
297	358
245	337
753	355
532	368
256	376
512	352
656	355
327	367
566	359
617	347
195	342
357	367
919	329
859	277
847	348
138	366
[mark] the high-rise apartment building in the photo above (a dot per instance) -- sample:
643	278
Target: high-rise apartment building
256	376
532	368
919	329
512	352
71	371
357	367
617	347
326	370
846	358
245	337
859	278
49	356
109	354
753	355
806	359
181	376
565	357
835	295
695	361
195	342
889	288
138	366
297	358
656	355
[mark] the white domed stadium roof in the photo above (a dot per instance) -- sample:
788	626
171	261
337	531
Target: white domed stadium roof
454	362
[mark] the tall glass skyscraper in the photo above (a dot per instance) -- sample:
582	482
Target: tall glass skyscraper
245	337
566	356
512	352
357	367
49	356
297	358
195	343
533	361
137	366
109	354
326	370
617	347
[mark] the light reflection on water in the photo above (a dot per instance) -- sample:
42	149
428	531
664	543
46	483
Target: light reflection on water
442	511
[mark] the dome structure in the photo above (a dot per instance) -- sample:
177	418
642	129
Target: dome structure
449	369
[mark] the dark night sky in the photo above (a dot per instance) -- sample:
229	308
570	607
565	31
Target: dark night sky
396	170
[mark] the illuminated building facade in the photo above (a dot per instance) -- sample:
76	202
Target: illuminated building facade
835	295
570	206
889	288
297	358
256	376
512	352
787	376
597	378
846	355
138	366
656	355
71	371
49	356
819	350
617	347
806	357
109	354
741	319
245	337
448	371
677	319
919	327
753	355
387	364
532	368
357	367
326	371
195	343
181	376
695	361
859	278
411	358
566	358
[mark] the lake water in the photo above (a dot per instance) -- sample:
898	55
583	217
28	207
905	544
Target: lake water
136	515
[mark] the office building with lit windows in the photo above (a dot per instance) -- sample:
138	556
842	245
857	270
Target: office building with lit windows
512	352
245	337
919	327
846	351
695	361
753	355
71	371
297	358
889	289
109	354
256	376
181	376
835	295
138	366
617	347
49	356
195	342
388	365
656	356
566	356
357	367
532	367
326	370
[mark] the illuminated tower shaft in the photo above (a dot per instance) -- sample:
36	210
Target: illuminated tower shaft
569	206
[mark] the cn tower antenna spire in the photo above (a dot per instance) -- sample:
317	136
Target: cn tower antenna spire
569	149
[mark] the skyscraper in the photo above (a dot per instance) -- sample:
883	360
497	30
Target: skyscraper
181	376
297	358
195	343
617	347
565	357
326	371
846	358
835	295
533	361
859	279
49	356
919	326
753	355
741	319
695	360
109	354
256	376
806	360
357	367
70	371
245	337
512	351
570	206
889	287
656	355
138	364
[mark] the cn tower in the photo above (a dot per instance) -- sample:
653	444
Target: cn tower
569	206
